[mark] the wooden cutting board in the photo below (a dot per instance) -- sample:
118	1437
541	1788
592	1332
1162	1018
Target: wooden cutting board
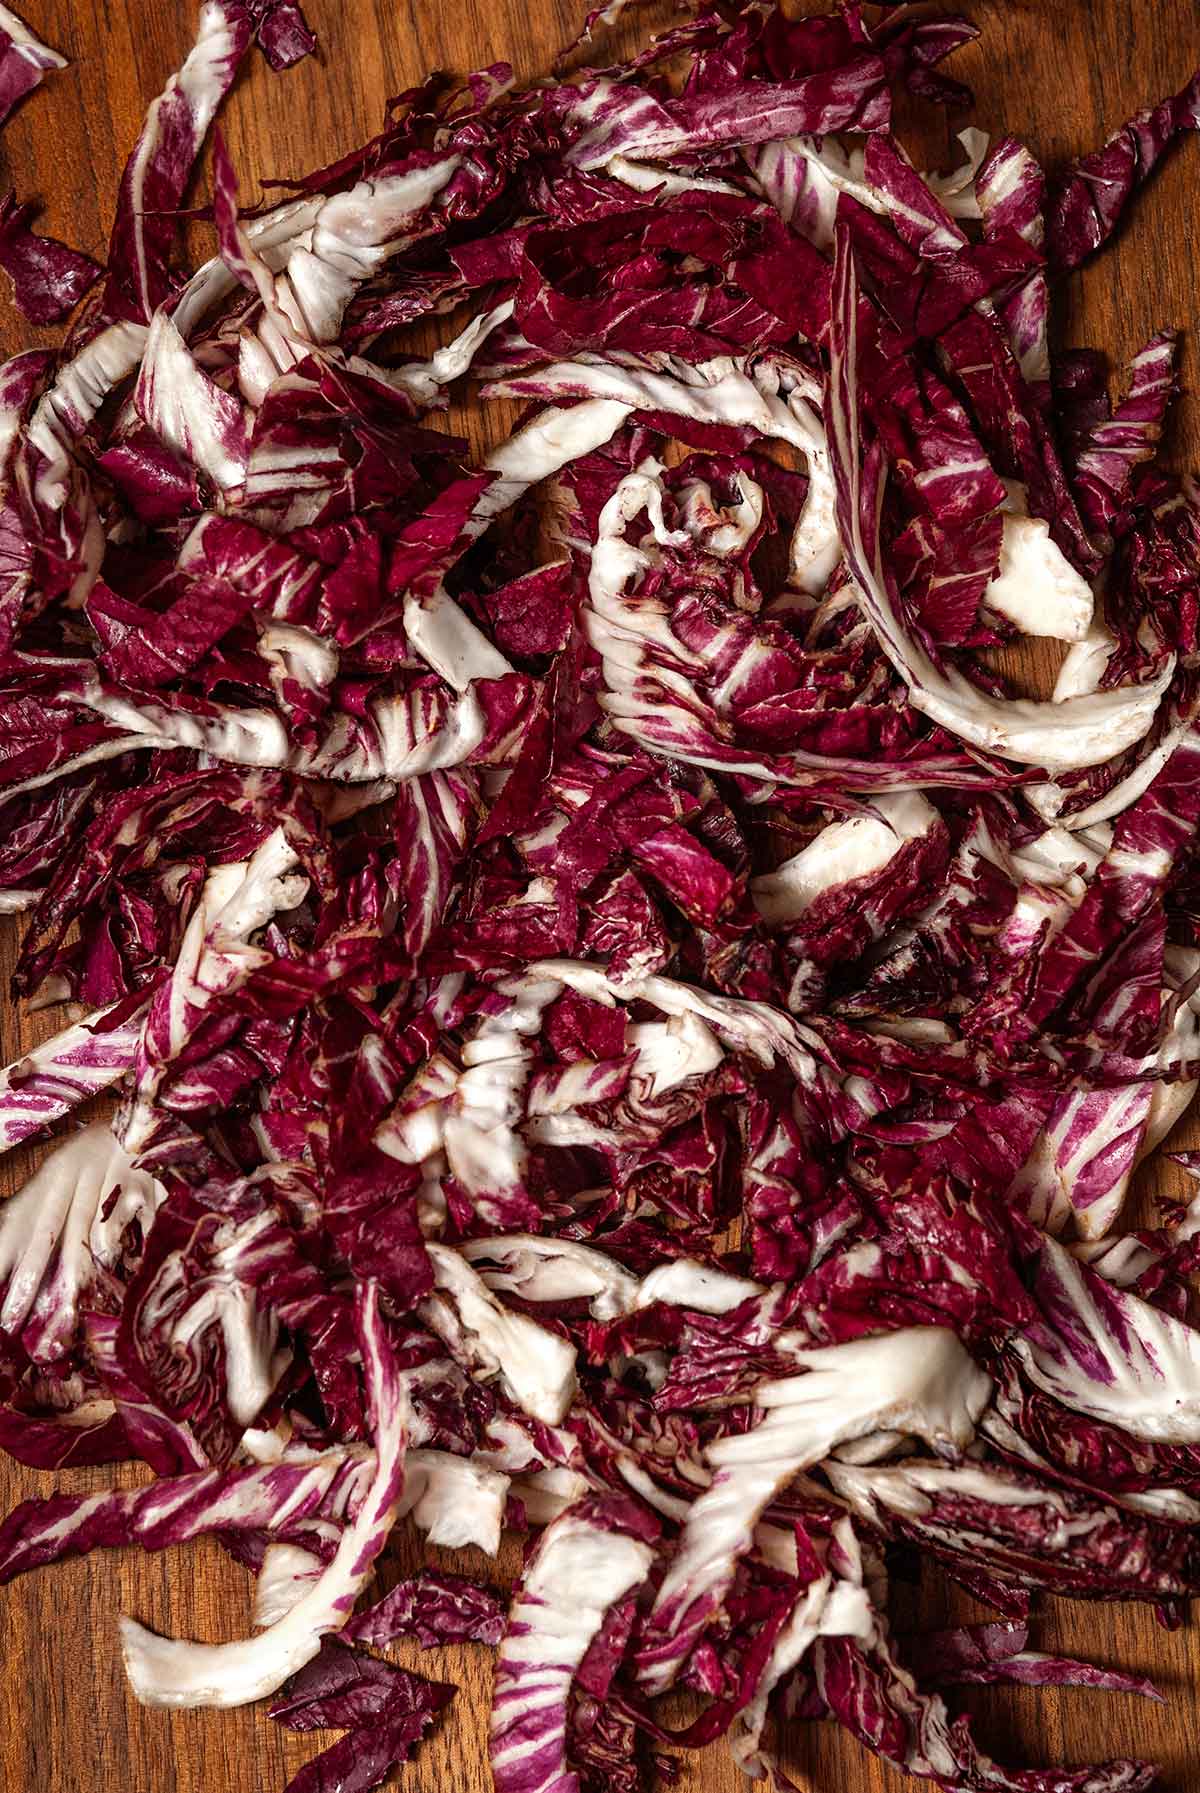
1059	73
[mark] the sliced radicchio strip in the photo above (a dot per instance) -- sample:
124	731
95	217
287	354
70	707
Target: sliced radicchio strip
1095	192
165	1672
341	1687
56	1077
997	1654
920	1381
582	1566
384	1710
1110	1355
877	1700
435	1608
157	173
277	1497
282	31
367	1755
1014	1526
1116	446
65	1231
49	279
23	61
1079	730
619	121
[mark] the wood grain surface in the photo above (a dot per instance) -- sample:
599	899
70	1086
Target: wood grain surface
1060	73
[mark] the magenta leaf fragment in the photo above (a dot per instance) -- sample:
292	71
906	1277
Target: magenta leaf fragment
434	1608
341	1688
979	1655
49	279
383	1710
24	59
1095	192
282	32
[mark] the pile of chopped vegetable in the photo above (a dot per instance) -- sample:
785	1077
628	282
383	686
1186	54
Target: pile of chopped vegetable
624	1027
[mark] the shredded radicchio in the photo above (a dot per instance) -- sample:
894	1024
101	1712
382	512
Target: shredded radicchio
618	1024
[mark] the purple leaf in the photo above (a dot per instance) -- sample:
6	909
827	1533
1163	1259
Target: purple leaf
48	278
435	1609
1093	196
